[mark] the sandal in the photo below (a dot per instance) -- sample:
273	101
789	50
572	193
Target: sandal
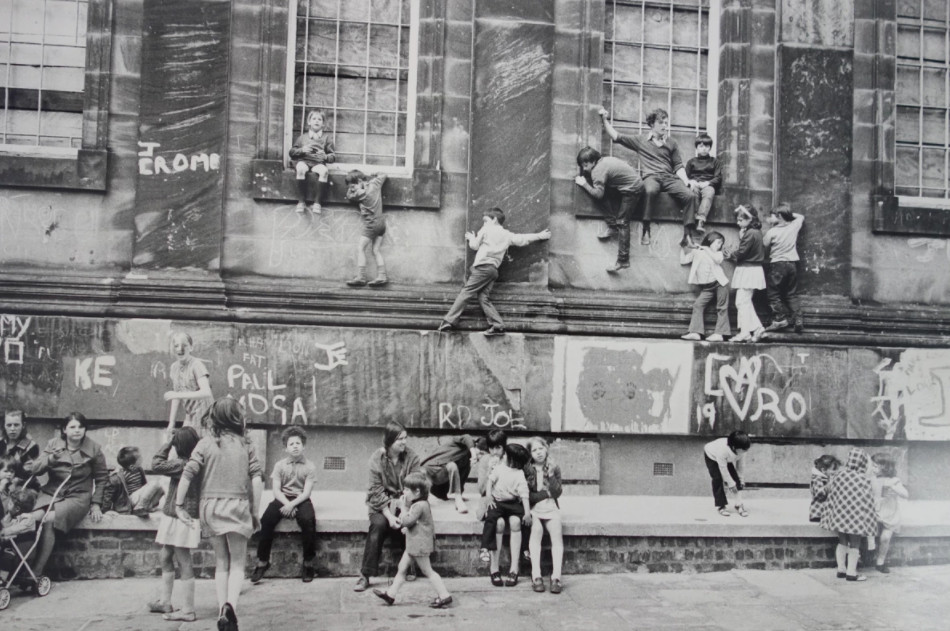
724	512
496	579
441	603
511	580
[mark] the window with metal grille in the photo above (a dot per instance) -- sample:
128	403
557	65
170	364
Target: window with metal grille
334	463
923	100
356	61
661	54
42	70
663	468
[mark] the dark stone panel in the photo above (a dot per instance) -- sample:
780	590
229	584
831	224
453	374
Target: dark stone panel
814	160
516	10
182	133
511	130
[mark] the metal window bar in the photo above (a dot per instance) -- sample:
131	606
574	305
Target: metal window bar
398	62
369	30
336	67
6	85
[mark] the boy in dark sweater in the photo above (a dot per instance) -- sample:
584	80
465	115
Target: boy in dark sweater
705	177
128	490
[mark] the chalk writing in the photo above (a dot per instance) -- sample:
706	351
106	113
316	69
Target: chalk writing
151	164
488	415
747	397
12	329
931	248
336	356
912	396
100	374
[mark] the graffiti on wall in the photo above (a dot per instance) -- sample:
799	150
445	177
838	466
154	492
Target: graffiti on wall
913	396
626	386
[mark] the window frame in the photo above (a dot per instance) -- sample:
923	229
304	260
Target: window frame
411	87
418	185
83	168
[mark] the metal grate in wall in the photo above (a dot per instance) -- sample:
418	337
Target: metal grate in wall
663	468
334	463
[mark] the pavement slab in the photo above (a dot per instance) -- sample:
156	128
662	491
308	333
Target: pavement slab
910	598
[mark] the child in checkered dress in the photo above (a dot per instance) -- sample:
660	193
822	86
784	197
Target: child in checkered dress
850	512
825	468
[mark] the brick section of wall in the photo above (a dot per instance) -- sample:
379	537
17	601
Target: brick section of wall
87	554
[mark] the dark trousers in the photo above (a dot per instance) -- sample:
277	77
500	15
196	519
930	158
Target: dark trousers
619	220
490	527
718	487
376	536
782	290
307	521
707	293
656	183
479	283
442	489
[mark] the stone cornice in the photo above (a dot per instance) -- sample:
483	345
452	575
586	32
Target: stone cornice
525	308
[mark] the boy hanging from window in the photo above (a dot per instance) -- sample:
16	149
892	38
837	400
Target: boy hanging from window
311	153
367	191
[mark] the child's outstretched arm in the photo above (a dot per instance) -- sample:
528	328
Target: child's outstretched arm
613	133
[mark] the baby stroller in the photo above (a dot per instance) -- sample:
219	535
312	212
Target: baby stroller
12	556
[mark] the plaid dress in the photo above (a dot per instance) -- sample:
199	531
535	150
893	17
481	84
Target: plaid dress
850	505
819	479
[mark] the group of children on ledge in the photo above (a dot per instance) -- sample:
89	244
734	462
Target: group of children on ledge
693	185
860	501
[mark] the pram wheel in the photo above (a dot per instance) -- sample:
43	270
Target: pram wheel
42	586
4	598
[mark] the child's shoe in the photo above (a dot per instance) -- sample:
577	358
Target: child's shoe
537	584
883	569
316	208
301	208
741	510
443	327
757	335
384	596
308	573
411	573
496	579
157	606
645	239
380	281
359	281
617	267
693	337
741	337
484	555
441	603
556	586
700	224
715	337
777	325
606	232
511	579
493	331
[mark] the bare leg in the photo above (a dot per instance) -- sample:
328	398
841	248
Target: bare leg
168	575
183	556
515	543
455	487
425	566
222	566
237	550
361	252
400	577
534	546
499	542
884	546
556	532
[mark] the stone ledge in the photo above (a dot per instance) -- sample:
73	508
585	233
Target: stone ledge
602	516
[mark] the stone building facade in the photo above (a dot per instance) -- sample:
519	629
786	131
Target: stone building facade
147	191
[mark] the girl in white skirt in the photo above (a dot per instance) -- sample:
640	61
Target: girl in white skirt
749	258
176	537
230	497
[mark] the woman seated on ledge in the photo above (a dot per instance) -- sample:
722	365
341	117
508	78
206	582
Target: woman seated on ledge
77	457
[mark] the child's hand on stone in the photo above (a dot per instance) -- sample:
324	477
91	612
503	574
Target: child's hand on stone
603	112
580	180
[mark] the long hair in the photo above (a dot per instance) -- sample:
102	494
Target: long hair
752	213
184	442
548	463
227	417
392	433
886	463
711	237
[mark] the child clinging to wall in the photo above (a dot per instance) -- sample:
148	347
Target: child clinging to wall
849	512
311	153
128	490
888	492
176	537
507	496
722	460
748	276
704	173
824	469
492	243
230	495
782	280
419	528
367	192
706	272
293	479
